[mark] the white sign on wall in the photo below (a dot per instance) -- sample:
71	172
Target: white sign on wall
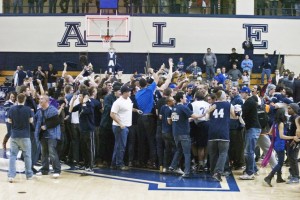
152	34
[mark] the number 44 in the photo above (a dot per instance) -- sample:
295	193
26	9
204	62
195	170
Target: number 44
219	113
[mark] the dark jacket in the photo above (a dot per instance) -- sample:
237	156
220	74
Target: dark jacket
106	120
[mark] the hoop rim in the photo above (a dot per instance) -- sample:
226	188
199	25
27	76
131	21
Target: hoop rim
106	38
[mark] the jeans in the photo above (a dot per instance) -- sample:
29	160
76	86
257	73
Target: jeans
120	145
264	143
236	156
297	9
97	143
18	4
183	146
251	138
75	6
277	168
214	7
49	150
35	148
273	7
138	6
146	133
64	5
132	138
267	72
52	6
163	6
31	8
40	6
218	152
210	72
6	6
25	146
107	144
293	158
159	145
168	150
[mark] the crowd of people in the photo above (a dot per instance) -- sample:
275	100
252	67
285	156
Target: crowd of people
215	122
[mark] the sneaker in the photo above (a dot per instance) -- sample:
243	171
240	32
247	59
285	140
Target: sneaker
34	170
200	168
176	171
226	173
40	173
247	177
161	169
217	176
186	175
55	175
113	167
256	173
240	168
130	164
10	179
194	167
293	181
88	170
124	168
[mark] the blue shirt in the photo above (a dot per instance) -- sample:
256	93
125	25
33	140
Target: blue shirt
279	144
219	122
166	112
20	116
145	99
180	120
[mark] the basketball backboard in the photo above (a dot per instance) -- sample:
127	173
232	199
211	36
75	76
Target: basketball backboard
115	26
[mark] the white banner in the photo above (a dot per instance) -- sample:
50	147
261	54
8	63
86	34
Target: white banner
152	34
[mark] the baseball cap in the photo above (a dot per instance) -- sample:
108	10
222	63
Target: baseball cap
125	89
172	86
190	86
116	88
245	90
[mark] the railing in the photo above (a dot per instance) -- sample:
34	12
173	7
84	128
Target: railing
138	7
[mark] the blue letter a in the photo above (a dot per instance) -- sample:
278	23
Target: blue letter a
72	32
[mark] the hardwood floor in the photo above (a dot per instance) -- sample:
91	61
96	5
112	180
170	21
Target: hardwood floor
107	184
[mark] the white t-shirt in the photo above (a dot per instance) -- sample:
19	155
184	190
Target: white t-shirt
123	109
75	115
199	108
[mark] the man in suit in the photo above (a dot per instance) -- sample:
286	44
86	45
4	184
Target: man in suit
277	78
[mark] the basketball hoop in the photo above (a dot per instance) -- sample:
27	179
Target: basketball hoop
106	40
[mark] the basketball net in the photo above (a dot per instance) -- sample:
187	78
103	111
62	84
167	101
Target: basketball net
106	41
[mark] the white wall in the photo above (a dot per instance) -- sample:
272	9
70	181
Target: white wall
244	7
193	35
292	62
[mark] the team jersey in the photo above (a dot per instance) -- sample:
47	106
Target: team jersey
180	120
199	108
219	122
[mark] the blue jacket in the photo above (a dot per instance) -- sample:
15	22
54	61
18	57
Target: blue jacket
53	133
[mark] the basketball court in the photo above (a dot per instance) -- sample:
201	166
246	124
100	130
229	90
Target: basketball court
136	183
